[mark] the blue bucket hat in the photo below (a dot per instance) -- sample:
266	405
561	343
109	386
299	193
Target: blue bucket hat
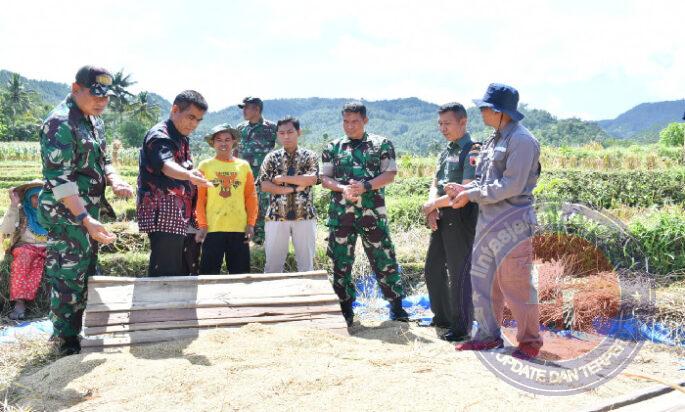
501	98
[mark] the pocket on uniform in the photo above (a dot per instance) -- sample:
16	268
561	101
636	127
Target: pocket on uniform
517	265
373	162
498	156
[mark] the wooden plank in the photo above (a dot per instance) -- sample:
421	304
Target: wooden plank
203	323
637	397
335	325
150	293
206	279
147	336
162	315
130	311
292	300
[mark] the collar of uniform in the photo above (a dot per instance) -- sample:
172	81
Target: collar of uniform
173	131
293	154
75	112
260	121
506	130
363	139
461	143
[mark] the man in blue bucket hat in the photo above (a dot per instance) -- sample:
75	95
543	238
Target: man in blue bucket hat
502	264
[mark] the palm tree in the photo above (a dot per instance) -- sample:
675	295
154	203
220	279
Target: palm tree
16	98
144	110
120	101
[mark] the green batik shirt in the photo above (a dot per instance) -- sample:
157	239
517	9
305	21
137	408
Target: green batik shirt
449	168
75	162
361	160
256	141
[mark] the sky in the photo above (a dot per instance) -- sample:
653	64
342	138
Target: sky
587	59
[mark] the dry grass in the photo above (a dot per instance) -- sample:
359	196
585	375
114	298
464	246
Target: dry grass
569	302
388	366
17	359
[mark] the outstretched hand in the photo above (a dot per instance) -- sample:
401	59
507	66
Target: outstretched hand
121	188
98	231
198	179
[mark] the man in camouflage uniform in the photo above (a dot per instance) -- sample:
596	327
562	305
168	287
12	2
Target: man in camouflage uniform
76	170
257	138
355	168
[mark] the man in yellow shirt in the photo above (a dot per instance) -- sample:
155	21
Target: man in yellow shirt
227	212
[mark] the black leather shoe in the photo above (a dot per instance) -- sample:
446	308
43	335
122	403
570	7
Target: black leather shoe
451	336
70	346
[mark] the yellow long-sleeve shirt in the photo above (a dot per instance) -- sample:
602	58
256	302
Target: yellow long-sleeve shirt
232	203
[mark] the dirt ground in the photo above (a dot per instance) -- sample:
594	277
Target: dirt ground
383	366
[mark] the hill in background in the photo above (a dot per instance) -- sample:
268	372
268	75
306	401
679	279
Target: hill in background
645	120
411	122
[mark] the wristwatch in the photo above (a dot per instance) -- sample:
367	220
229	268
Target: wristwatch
80	217
367	186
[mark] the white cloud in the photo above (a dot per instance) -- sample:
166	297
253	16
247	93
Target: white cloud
564	57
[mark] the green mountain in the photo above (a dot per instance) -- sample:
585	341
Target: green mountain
163	104
644	121
51	92
411	122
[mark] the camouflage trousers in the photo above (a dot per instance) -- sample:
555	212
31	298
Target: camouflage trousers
71	259
380	251
263	199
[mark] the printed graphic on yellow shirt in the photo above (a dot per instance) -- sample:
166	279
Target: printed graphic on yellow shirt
226	181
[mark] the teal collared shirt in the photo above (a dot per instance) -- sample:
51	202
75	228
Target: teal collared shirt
449	167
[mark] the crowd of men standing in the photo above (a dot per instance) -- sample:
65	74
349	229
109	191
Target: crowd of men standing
196	217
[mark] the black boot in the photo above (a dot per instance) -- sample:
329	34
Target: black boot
397	312
452	336
70	346
348	313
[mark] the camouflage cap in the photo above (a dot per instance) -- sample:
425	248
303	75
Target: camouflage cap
224	127
97	79
252	100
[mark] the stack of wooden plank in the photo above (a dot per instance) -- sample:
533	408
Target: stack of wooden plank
124	311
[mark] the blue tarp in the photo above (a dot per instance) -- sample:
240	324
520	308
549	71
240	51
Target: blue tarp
38	329
418	307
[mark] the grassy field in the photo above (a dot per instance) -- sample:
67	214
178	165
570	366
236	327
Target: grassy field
641	185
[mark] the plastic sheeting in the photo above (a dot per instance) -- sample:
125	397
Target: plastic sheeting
418	307
30	330
369	297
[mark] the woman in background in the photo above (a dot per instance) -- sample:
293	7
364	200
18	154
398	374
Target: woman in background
27	244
